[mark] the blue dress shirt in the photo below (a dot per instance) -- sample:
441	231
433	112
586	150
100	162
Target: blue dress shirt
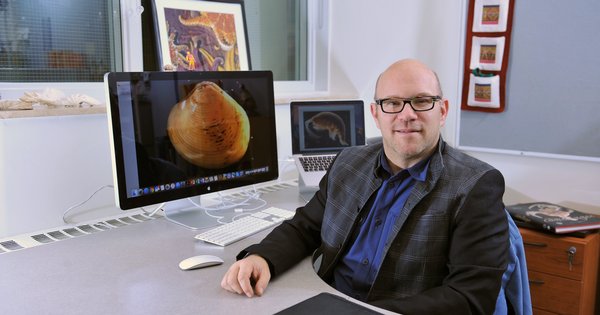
357	270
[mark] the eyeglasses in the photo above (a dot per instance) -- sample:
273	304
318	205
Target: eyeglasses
392	105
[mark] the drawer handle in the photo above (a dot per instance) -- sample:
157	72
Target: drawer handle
571	255
536	282
535	244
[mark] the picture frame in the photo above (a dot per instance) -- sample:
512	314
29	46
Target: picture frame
484	91
490	15
487	53
201	35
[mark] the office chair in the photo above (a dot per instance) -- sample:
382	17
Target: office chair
514	297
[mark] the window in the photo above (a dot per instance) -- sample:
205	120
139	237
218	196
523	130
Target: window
59	40
288	37
79	41
277	35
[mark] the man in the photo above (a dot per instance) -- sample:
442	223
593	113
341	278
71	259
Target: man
409	224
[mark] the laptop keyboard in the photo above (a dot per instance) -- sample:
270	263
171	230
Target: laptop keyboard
316	163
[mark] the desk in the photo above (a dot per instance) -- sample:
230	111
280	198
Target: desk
134	270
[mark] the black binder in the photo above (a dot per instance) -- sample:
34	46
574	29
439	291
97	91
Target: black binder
326	304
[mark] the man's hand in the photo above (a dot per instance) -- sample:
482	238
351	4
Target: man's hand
245	272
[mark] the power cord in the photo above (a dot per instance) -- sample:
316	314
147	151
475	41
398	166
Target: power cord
71	208
64	216
225	204
153	212
228	204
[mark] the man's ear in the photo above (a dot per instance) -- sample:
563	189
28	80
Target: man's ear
373	108
444	108
374	114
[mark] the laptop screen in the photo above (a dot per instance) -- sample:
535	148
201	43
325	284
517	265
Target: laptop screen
320	127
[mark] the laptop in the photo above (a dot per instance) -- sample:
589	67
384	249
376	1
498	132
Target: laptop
320	130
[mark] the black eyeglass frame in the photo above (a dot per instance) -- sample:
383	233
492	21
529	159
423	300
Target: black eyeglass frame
434	98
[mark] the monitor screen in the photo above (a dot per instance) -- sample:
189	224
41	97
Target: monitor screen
326	126
175	135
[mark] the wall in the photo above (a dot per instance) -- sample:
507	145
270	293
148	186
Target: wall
369	35
73	160
48	164
552	82
366	36
572	183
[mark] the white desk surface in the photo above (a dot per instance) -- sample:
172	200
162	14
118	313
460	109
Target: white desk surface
134	270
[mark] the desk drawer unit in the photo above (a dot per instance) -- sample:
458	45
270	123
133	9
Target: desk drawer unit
563	272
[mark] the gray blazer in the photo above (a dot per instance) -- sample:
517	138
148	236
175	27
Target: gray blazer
446	252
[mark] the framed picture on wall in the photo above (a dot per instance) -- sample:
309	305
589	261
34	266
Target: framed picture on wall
490	16
484	91
487	53
201	35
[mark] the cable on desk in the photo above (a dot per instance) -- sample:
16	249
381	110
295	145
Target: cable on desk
227	203
83	202
153	212
64	216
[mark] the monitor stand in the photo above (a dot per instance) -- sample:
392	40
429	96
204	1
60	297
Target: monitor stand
193	214
185	213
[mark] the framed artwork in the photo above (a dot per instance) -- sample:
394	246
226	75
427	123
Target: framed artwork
487	50
490	15
201	35
487	53
484	91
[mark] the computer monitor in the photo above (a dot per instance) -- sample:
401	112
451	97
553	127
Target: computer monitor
176	135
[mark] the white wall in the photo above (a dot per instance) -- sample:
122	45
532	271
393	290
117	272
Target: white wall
49	164
368	35
571	183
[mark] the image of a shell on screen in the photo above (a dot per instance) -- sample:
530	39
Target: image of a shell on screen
208	128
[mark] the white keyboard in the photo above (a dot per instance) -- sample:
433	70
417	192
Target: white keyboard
231	232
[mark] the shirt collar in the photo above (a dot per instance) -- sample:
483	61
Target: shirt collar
417	171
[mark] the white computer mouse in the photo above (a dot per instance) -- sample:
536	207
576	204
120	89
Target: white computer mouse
200	261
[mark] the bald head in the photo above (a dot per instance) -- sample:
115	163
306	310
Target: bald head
409	135
407	70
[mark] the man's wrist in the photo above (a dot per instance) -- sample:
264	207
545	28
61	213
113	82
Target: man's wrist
244	253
